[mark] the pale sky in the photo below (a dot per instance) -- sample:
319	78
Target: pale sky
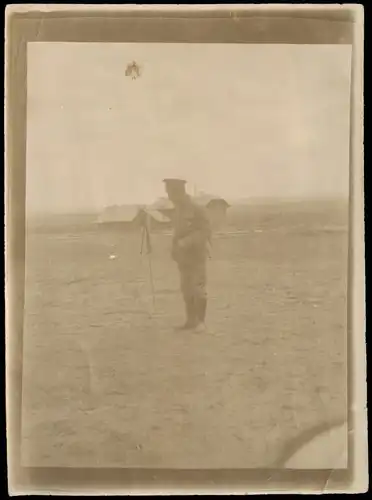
237	120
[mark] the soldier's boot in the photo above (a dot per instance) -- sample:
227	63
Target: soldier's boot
201	313
191	320
202	309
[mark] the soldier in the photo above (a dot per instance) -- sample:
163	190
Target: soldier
190	252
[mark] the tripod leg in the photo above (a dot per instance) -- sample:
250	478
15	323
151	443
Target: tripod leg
142	239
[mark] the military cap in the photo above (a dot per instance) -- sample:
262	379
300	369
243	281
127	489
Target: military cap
174	182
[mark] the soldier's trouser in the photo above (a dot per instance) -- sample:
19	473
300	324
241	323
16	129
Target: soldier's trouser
193	286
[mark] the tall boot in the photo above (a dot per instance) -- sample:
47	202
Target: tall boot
202	309
191	318
201	313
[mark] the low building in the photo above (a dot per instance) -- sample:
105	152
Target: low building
132	217
216	208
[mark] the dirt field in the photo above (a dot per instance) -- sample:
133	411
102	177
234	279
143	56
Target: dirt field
108	382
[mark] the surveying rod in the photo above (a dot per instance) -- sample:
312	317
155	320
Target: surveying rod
146	238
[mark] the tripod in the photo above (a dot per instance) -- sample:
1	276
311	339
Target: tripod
146	240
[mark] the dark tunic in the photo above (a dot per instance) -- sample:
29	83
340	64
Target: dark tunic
192	228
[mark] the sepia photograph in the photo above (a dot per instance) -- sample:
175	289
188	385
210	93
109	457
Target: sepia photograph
186	256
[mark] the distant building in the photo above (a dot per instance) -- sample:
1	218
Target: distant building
216	208
131	217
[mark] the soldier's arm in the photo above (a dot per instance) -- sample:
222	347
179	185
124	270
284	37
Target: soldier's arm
201	231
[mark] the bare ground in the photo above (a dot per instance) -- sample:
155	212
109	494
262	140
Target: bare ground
107	381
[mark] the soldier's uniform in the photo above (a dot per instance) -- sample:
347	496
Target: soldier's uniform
192	235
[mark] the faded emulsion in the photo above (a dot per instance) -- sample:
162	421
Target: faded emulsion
183	267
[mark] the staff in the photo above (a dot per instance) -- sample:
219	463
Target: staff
147	239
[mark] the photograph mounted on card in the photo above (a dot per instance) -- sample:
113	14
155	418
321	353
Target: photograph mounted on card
186	246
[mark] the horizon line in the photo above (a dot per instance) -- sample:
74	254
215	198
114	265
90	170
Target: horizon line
236	201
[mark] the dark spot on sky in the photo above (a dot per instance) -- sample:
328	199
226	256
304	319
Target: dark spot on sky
133	70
